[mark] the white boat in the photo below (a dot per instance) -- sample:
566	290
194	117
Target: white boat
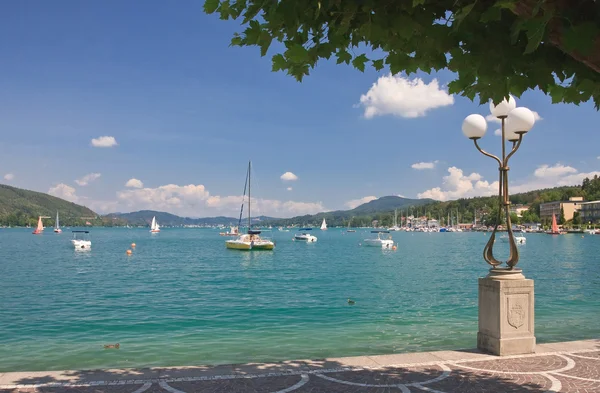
154	227
380	240
234	231
519	239
304	236
57	225
282	229
323	225
81	240
251	240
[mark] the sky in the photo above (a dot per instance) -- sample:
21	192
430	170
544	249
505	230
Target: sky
129	105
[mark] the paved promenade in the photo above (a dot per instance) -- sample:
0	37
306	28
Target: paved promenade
559	367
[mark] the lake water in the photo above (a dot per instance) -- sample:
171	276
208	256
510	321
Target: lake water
183	299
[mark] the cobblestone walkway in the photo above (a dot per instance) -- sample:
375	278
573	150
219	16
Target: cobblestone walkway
575	367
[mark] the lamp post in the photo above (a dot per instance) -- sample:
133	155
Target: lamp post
516	122
506	297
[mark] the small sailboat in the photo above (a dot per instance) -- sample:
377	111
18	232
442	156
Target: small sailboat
395	227
252	239
57	225
154	227
350	230
40	227
323	225
554	230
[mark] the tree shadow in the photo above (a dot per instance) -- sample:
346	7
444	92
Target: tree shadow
314	376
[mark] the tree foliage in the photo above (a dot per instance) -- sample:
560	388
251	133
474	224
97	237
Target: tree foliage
493	47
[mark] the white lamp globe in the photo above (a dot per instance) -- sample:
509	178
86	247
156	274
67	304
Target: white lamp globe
504	107
520	120
474	126
510	135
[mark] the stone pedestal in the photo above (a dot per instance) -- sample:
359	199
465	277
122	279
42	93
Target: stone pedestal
506	315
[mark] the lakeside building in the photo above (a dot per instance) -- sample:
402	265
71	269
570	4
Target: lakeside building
569	208
519	209
590	212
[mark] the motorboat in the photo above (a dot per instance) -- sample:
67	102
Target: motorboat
304	236
154	227
234	231
519	239
383	240
81	240
252	239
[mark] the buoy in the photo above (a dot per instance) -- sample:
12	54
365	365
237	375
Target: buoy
132	245
394	248
128	252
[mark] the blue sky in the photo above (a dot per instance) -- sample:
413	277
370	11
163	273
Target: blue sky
187	112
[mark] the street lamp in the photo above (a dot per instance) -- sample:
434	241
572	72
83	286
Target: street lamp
516	122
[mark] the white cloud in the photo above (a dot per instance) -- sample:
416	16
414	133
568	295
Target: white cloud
65	192
289	188
289	176
558	170
456	185
598	157
195	201
104	141
403	97
9	177
424	165
134	183
498	132
357	202
494	119
87	179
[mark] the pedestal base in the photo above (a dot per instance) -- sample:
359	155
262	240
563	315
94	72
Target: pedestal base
506	314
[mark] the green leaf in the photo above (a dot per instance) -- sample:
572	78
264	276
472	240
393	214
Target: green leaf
211	6
225	9
236	40
506	4
265	42
535	32
343	56
378	64
279	62
418	2
297	53
359	62
581	38
492	14
252	33
463	13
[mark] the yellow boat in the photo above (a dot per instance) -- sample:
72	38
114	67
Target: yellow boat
251	240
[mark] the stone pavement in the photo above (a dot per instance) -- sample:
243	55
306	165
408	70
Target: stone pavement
559	367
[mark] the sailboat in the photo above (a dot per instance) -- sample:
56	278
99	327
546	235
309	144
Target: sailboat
250	240
554	230
350	230
323	225
395	227
40	227
154	227
57	225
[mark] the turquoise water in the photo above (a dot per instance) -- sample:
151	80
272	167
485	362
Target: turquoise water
183	299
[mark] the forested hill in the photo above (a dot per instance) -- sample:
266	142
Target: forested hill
359	216
144	217
22	207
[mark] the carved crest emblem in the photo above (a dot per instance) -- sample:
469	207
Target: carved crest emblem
516	314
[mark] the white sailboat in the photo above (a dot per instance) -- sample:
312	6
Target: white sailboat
154	227
323	225
395	227
57	225
252	239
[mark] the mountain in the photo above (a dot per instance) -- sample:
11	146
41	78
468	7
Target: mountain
388	203
360	215
144	217
21	207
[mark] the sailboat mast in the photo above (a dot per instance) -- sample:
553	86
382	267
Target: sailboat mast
249	195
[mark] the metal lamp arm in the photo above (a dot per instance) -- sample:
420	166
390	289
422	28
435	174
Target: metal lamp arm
514	149
485	153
